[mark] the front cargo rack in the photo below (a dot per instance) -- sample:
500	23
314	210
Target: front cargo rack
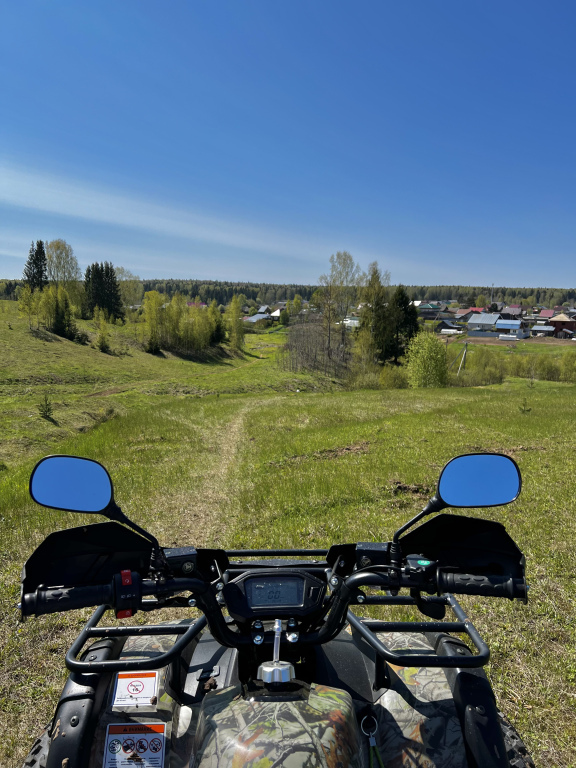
187	632
367	629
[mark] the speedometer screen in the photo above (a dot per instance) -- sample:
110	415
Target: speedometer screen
270	592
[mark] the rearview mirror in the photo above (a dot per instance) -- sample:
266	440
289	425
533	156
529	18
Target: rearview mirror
479	480
71	484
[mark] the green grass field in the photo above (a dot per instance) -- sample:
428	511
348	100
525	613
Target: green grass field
87	387
246	460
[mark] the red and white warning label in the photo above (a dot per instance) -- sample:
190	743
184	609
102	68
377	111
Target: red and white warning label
135	689
130	744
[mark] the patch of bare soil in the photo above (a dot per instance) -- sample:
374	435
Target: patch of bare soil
327	453
422	491
513	452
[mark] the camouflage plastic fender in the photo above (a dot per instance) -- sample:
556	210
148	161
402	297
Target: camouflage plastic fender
417	718
251	733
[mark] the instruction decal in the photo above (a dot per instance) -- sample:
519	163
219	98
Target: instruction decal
131	744
135	689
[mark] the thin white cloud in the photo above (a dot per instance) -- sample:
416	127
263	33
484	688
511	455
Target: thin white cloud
47	193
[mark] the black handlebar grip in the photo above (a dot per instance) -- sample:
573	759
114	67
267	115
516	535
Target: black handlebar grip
486	586
65	599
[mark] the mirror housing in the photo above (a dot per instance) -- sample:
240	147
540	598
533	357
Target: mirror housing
72	484
479	480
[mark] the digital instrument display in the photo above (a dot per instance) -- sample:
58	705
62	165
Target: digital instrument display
271	591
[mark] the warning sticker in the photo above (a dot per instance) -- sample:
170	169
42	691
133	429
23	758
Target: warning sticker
135	689
132	744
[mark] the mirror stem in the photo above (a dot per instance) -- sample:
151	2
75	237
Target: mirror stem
115	513
158	560
434	505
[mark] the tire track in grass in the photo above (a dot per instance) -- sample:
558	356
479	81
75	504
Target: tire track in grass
208	521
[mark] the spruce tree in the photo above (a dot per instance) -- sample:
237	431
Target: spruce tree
373	314
35	269
63	323
401	324
113	296
29	272
103	290
218	333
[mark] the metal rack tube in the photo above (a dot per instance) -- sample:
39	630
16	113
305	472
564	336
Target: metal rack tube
125	665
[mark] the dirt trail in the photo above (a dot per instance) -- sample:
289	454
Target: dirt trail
203	517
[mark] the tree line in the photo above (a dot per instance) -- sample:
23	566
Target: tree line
484	295
270	293
223	291
62	267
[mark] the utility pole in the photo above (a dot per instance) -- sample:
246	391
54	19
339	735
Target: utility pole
463	361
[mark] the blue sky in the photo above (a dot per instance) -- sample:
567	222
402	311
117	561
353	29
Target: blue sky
251	140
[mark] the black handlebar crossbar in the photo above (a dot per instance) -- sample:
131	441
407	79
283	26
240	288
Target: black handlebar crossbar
57	599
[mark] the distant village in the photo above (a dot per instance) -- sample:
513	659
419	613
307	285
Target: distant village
499	321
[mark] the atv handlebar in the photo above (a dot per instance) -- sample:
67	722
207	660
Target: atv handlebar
442	581
117	595
129	597
485	586
65	599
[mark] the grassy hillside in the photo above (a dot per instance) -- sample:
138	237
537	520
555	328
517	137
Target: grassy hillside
269	466
87	387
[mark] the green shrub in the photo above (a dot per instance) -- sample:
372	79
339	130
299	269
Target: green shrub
477	377
393	377
568	365
365	380
520	365
547	368
81	337
427	365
